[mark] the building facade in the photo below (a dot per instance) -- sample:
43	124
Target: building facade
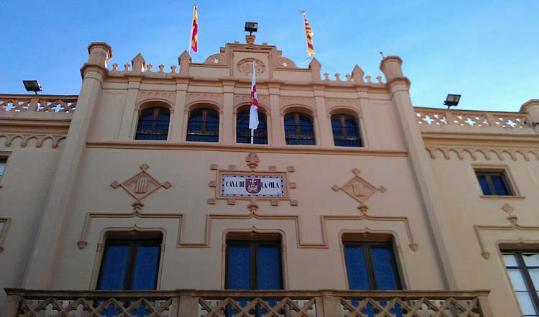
143	195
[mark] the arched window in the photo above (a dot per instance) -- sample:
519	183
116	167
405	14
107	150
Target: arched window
345	130
243	134
298	129
203	125
153	124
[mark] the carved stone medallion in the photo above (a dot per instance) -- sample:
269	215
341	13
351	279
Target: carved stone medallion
245	66
141	186
359	189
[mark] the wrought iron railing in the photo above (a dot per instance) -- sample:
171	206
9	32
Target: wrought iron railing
186	303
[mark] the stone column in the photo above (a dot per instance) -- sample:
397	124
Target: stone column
49	237
275	125
531	107
428	189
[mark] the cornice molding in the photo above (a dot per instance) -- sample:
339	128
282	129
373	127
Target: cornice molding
245	148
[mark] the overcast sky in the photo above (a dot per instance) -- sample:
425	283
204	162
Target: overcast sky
488	51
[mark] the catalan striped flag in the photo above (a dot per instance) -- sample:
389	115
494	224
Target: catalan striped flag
194	30
309	35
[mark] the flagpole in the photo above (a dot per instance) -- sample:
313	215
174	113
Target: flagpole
252	135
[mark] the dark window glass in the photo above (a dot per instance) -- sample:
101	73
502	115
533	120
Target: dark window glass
298	129
253	265
3	163
243	133
203	125
130	265
493	183
345	130
153	124
371	266
523	270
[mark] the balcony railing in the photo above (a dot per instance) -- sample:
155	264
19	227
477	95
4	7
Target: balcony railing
474	119
185	303
38	103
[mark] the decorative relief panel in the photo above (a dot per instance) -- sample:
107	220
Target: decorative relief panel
359	189
193	97
169	96
24	139
215	59
512	218
296	100
140	186
240	99
252	185
245	66
486	153
334	102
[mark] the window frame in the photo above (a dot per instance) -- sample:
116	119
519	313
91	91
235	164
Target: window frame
203	131
488	172
342	119
524	270
157	108
133	239
380	241
297	127
259	240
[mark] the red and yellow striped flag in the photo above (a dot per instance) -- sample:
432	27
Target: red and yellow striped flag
309	34
194	30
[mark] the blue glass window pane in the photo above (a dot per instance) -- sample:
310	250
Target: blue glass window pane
356	267
298	129
203	126
268	267
483	182
239	266
384	269
499	185
153	124
146	266
114	268
243	133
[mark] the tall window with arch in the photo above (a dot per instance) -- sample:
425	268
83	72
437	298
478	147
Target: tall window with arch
203	125
153	123
299	129
243	133
345	130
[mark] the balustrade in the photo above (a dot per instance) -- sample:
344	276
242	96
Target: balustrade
32	303
474	119
38	103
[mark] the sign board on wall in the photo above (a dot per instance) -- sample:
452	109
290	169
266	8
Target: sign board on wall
271	185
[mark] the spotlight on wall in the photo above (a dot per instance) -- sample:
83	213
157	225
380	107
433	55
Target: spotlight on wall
451	100
32	85
251	27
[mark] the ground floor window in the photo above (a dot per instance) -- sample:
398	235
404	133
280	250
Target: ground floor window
371	266
130	263
523	270
254	264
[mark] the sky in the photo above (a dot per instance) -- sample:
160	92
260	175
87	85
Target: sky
488	51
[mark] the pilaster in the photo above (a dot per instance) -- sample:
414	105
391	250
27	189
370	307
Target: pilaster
49	237
277	126
400	96
228	114
176	126
129	115
323	125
